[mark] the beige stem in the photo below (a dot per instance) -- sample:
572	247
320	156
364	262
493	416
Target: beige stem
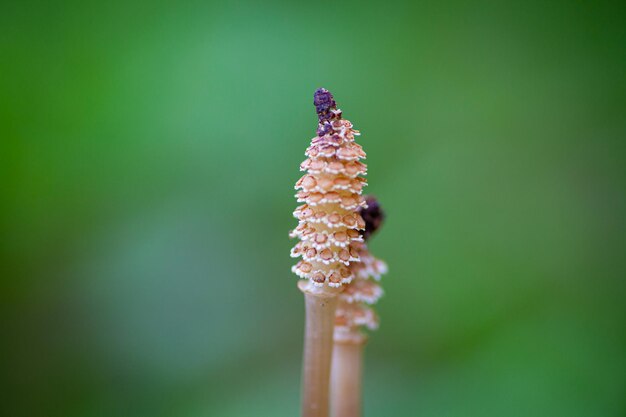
318	343
347	368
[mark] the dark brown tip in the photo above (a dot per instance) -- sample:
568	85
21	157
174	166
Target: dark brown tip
326	107
324	102
373	216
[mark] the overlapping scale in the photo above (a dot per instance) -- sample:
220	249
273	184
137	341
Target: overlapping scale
326	256
351	169
329	183
331	219
321	239
369	267
344	199
334	277
362	291
348	316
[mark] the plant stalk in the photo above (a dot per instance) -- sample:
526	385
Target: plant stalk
346	375
320	305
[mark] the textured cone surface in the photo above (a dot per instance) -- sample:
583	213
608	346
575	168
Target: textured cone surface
354	309
330	225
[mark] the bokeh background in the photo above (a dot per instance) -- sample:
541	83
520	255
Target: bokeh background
148	155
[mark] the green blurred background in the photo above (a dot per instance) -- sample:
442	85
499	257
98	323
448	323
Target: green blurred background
147	163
